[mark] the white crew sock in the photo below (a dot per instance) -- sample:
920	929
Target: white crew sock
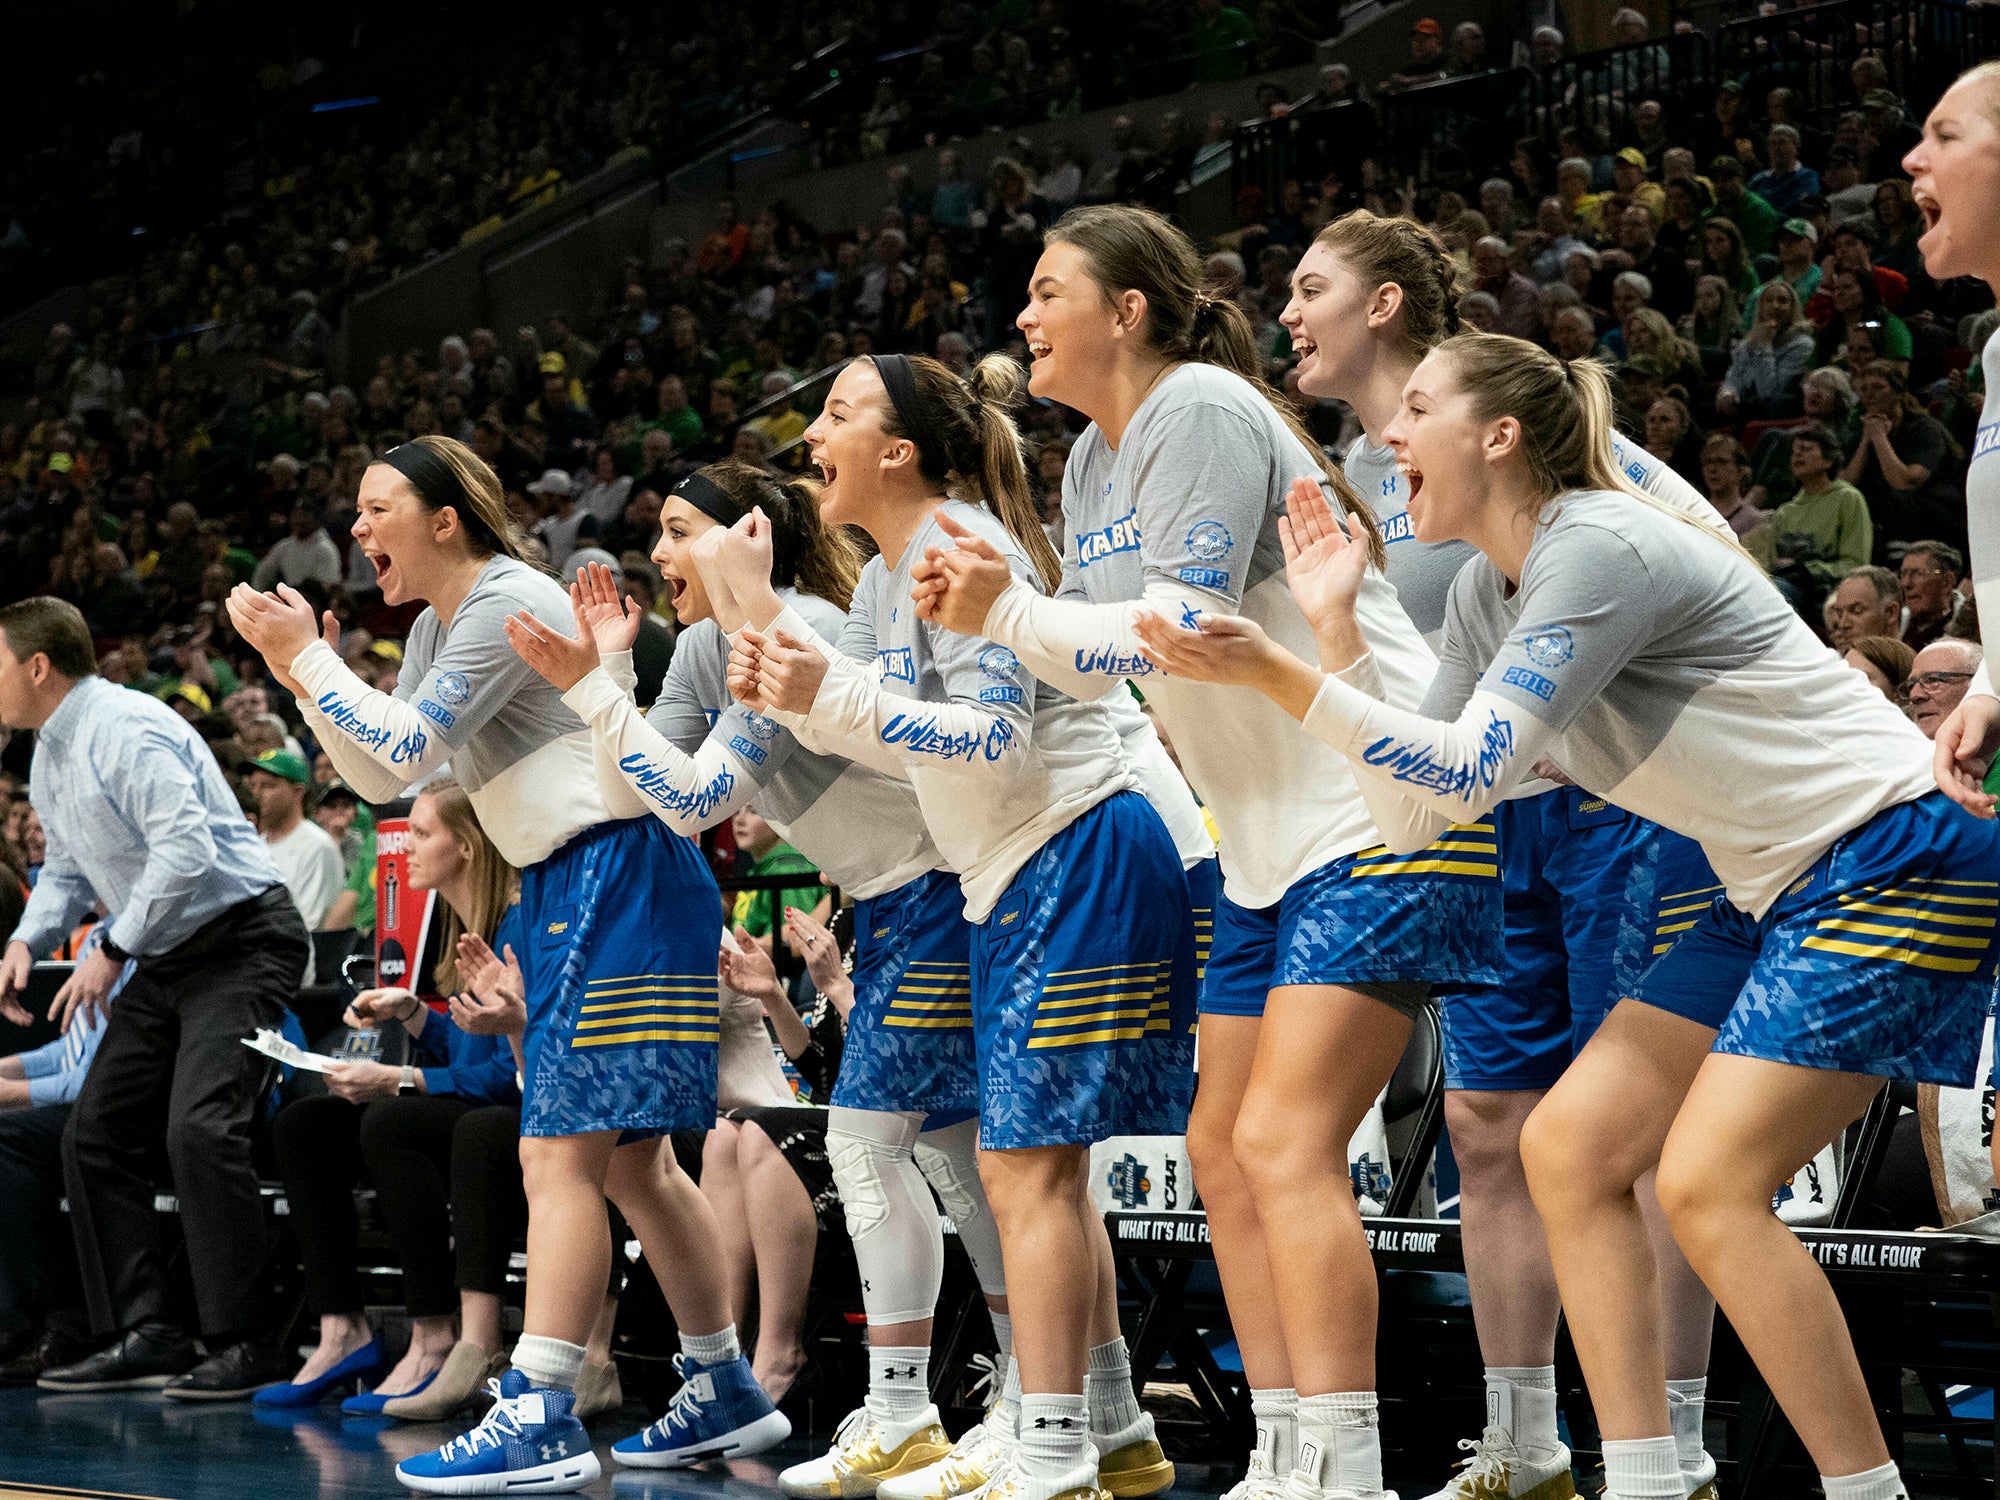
1521	1400
1686	1400
1107	1389
548	1363
899	1381
1277	1415
712	1349
1871	1484
1055	1435
1003	1331
1642	1469
1340	1443
1007	1411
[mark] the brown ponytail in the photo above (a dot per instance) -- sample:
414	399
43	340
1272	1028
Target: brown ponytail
806	553
981	457
1408	255
1136	249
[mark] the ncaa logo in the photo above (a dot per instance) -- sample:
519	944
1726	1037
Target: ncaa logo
452	688
1551	647
1209	541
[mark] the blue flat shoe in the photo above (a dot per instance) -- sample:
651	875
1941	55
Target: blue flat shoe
363	1363
369	1403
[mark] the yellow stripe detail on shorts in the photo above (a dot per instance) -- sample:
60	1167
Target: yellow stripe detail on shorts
1427	867
1118	1034
654	989
1941	918
709	1037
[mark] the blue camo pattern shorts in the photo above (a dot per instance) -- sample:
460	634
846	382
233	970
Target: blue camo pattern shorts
909	1036
1083	987
1592	896
622	925
1878	960
1368	918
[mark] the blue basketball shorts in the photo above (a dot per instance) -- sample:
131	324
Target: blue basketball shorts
1879	959
1366	918
1592	896
622	925
909	1036
1083	987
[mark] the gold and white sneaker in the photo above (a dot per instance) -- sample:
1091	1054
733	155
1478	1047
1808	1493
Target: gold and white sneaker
1497	1470
1700	1481
1133	1465
1300	1486
973	1461
1259	1481
867	1450
1014	1483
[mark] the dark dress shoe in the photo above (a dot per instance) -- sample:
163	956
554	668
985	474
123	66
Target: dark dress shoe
144	1359
47	1352
235	1374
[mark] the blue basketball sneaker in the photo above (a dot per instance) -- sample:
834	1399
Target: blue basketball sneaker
529	1444
719	1412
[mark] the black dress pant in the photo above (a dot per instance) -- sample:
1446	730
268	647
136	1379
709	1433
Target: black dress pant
326	1147
172	1066
38	1277
489	1212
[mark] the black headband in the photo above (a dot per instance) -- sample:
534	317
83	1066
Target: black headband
900	380
437	483
708	497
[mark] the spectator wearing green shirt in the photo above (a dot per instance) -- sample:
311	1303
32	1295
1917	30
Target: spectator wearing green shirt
676	418
1824	528
1749	213
759	912
1220	38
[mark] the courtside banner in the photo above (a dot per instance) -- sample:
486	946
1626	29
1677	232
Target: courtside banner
403	927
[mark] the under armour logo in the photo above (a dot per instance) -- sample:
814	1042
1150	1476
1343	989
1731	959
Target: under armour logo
555	1450
1061	1424
900	1372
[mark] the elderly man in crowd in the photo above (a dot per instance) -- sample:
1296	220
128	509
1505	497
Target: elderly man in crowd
1931	600
1869	601
1938	680
1520	313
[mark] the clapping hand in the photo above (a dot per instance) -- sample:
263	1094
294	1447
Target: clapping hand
747	968
492	999
956	587
789	671
808	937
279	626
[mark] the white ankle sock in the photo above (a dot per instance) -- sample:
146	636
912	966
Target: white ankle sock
549	1363
1686	1400
1642	1469
899	1381
1340	1443
1277	1415
1107	1389
1521	1400
1003	1331
712	1349
1871	1484
1007	1411
1055	1434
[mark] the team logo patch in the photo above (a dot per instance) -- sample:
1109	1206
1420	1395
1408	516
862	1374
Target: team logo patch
998	663
1534	682
1551	647
761	727
452	688
1209	541
437	712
